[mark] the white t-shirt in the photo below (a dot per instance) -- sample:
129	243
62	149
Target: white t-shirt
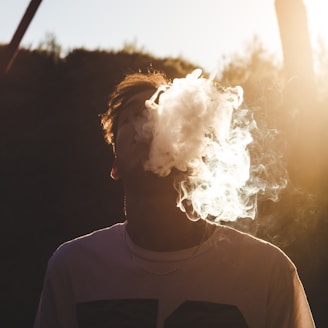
231	280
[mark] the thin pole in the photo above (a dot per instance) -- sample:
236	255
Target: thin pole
11	50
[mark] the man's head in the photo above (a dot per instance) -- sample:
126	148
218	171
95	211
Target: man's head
130	86
194	127
126	106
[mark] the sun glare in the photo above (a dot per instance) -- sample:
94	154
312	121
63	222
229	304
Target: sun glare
317	20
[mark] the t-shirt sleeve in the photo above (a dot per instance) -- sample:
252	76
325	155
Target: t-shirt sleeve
287	305
57	307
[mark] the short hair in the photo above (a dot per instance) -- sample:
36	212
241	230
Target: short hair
128	87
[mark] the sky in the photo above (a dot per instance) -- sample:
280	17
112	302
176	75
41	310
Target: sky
201	31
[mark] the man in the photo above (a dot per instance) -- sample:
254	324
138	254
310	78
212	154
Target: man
169	264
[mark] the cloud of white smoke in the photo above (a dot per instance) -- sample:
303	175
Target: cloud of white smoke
198	128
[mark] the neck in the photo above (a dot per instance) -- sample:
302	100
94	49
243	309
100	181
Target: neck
155	223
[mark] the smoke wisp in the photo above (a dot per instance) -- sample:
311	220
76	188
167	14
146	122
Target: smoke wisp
198	128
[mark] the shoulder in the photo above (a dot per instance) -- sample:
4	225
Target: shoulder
249	249
100	241
245	240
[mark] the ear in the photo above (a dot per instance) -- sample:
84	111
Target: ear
114	173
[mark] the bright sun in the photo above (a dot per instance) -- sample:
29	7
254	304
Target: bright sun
317	20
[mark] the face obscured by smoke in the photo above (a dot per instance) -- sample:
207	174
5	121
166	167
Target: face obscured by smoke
198	128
